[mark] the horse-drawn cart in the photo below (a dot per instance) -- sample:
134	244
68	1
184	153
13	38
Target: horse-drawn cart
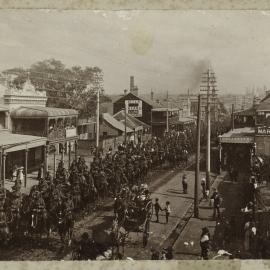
133	214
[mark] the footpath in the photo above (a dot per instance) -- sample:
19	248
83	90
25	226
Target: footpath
187	245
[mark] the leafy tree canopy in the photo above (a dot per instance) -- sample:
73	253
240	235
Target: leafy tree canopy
74	87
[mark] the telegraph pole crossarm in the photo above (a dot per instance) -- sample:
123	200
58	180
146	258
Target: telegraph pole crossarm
208	86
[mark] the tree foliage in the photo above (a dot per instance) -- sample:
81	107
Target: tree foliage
74	87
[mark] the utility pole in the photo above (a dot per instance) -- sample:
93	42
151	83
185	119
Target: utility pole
188	104
167	115
197	171
97	131
126	122
208	144
209	82
232	117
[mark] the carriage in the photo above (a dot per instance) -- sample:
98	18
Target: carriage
133	213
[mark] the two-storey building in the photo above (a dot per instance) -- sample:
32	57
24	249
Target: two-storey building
30	131
159	120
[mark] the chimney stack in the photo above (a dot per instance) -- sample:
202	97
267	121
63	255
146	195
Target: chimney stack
152	95
125	91
131	84
135	90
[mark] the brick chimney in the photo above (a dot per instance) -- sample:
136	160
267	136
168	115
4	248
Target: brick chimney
131	84
152	95
125	91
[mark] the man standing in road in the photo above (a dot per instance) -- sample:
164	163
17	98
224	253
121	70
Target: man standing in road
184	184
204	243
217	201
157	209
203	184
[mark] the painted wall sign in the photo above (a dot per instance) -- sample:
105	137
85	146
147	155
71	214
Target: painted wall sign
134	107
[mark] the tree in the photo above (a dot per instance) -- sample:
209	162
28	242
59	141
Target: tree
74	87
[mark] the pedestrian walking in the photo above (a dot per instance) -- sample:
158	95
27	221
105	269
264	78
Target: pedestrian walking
184	184
167	210
216	201
205	243
203	185
157	208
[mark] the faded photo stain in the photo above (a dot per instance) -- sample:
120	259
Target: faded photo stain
142	39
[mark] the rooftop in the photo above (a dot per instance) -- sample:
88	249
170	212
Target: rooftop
132	122
247	112
165	109
264	105
114	123
238	135
187	120
41	112
11	141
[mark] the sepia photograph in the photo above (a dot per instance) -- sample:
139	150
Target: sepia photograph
134	135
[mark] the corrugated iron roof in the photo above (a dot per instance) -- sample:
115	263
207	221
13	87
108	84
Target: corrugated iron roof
132	122
41	112
264	105
114	123
239	132
247	112
10	139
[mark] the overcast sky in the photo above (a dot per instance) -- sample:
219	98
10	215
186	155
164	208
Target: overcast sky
164	50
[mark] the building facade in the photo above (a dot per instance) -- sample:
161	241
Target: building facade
30	131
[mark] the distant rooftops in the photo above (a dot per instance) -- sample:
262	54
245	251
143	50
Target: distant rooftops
162	109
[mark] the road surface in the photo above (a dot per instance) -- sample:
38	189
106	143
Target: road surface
165	185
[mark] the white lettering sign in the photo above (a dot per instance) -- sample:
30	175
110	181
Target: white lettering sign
134	107
263	130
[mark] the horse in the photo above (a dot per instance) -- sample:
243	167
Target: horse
102	185
65	225
89	195
4	229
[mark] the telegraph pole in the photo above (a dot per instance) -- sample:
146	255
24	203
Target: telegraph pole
197	172
208	122
232	116
97	131
167	115
125	123
209	81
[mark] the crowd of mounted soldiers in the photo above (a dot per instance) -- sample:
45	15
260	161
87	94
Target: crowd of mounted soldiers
52	203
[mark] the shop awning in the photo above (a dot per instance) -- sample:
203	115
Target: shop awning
239	135
41	112
10	142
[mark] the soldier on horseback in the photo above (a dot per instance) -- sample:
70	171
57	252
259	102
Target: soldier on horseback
16	204
4	231
37	208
